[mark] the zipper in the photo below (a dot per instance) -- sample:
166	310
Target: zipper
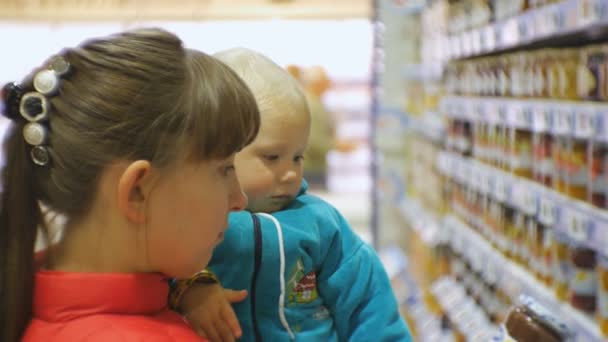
257	237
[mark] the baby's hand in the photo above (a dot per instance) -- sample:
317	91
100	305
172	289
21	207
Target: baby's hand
208	309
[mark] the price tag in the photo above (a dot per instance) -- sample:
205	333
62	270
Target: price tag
466	43
530	199
601	122
503	114
514	114
558	16
539	118
476	41
517	195
527	115
510	33
489	38
600	226
584	121
563	121
454	46
525	27
538	19
592	11
489	180
501	187
483	175
578	224
443	105
480	111
547	209
476	180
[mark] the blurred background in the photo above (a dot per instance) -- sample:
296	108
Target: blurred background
327	45
465	139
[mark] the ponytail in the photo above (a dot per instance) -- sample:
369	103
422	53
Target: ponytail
20	216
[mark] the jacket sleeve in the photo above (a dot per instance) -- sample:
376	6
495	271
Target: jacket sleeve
356	289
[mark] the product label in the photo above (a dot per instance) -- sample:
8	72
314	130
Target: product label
503	336
561	269
584	282
603	304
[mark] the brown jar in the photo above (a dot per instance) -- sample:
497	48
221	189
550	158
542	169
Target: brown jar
547	258
521	153
576	168
598	174
583	279
591	74
543	158
524	324
602	310
561	265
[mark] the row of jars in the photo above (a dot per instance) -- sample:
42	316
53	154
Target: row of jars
569	74
575	167
577	274
469	14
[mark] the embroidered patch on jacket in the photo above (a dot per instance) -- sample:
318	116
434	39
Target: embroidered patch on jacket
302	287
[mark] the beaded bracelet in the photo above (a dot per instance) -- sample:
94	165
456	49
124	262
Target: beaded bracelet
179	286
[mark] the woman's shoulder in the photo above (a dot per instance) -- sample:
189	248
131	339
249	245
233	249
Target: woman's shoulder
126	328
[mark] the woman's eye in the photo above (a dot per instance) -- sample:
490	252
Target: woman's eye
298	159
228	169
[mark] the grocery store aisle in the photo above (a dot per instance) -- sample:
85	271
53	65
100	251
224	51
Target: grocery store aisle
356	208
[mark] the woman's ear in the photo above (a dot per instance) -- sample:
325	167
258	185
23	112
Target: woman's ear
131	193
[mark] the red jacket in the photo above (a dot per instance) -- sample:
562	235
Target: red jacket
104	307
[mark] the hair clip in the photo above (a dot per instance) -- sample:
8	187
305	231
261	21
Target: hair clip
11	98
40	155
35	133
59	65
34	107
47	81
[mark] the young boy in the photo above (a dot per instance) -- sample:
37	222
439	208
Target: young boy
308	275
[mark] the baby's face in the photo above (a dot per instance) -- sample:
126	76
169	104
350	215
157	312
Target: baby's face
270	169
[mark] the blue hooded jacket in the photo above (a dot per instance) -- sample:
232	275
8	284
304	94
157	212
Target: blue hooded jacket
309	277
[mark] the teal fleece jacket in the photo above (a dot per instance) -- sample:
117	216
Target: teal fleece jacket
309	277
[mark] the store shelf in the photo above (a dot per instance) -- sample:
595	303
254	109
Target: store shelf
515	280
423	72
583	119
566	23
430	126
581	222
461	309
410	297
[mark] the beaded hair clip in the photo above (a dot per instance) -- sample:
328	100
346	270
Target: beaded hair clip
34	106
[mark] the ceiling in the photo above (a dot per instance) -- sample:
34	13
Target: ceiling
94	10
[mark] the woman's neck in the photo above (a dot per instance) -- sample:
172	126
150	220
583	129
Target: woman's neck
99	243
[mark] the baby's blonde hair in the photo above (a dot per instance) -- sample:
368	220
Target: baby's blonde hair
269	82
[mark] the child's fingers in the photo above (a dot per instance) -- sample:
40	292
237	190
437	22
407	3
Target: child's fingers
201	332
212	333
231	320
224	331
235	296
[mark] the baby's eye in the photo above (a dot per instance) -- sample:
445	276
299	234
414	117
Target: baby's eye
271	157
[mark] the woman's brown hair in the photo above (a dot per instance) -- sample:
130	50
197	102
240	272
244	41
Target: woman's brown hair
134	95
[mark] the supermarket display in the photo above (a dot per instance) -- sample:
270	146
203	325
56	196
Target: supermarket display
505	169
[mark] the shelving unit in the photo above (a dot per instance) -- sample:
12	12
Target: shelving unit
434	154
565	22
